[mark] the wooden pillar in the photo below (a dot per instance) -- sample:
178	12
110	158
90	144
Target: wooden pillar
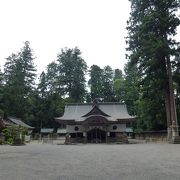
96	135
106	136
85	137
91	135
85	134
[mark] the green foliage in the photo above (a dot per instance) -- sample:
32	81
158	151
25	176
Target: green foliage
71	73
107	84
151	28
101	83
8	136
1	93
19	75
118	74
95	82
63	82
141	87
12	134
42	86
52	79
176	78
119	86
119	90
132	87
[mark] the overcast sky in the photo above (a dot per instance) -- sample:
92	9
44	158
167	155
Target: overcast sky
97	27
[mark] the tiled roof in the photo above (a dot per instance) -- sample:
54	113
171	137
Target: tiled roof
47	130
61	131
116	111
18	121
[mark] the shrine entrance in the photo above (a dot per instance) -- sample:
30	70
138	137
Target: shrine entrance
96	135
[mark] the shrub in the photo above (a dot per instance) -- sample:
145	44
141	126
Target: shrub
14	134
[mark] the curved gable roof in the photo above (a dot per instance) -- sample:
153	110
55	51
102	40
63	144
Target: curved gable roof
79	112
96	111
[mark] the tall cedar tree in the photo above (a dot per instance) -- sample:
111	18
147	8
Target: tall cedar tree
52	77
96	82
151	28
176	77
49	102
118	74
72	69
1	94
19	74
118	86
101	83
42	86
107	83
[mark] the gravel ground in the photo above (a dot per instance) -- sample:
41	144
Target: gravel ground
90	162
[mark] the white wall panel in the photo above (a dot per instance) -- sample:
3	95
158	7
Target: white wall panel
71	128
120	128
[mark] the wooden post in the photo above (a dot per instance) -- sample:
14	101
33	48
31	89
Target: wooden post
85	137
96	135
91	136
106	135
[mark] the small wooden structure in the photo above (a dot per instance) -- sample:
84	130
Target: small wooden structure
9	121
18	124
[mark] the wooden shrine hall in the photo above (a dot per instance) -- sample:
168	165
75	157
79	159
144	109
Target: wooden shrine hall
96	122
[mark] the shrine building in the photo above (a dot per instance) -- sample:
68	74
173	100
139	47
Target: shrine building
96	122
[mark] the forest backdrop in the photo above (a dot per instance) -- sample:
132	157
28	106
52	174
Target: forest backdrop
142	85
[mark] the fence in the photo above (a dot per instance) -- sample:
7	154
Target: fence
152	136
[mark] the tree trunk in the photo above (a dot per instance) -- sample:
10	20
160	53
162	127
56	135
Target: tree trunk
168	115
167	99
173	115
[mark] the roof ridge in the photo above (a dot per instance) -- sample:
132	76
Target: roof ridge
100	103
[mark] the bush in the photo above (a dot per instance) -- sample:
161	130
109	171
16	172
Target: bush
15	134
8	135
9	141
